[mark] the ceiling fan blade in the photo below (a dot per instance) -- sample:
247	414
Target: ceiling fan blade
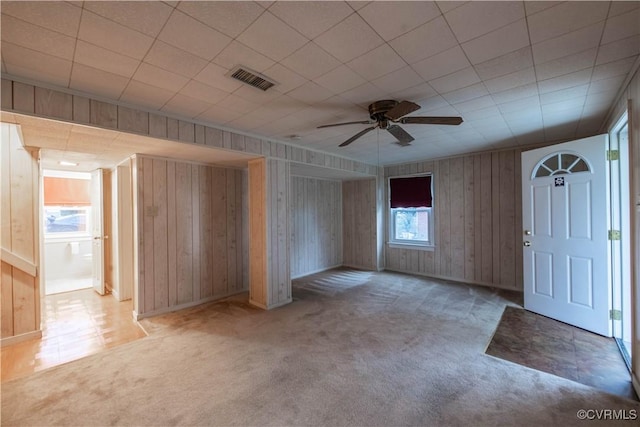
402	109
364	122
356	136
431	120
400	134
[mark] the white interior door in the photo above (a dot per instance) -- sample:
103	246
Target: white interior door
565	218
97	232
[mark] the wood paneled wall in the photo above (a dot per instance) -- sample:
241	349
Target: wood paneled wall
269	217
190	234
62	105
122	231
478	220
19	234
360	224
316	226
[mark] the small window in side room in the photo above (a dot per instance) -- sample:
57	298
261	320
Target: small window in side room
411	211
67	205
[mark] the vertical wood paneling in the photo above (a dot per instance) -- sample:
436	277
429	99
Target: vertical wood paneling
359	223
19	291
52	103
258	232
187	256
316	222
23	97
477	209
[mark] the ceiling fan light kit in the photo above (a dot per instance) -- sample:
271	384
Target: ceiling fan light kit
384	114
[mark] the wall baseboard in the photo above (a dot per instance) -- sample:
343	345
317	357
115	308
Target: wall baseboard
635	382
138	316
21	338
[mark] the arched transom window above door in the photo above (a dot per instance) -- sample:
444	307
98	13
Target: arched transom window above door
560	164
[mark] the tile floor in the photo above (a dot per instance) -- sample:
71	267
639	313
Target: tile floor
74	325
554	347
58	286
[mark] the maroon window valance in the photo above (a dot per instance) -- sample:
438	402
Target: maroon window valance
414	192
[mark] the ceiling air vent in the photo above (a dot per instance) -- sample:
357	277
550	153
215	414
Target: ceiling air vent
252	78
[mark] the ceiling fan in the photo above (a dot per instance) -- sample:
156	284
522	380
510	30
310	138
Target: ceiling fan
385	113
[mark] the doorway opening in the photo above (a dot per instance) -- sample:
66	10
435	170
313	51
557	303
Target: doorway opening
67	215
620	237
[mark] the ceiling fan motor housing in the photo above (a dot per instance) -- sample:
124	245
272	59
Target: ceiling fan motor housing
378	109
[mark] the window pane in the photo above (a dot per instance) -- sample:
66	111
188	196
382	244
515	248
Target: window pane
60	219
411	224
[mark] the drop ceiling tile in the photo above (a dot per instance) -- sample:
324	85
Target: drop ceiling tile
621	27
216	76
365	94
576	41
441	64
620	7
340	79
522	104
618	50
532	7
311	18
398	80
357	5
505	64
36	38
35	65
349	39
106	60
573	105
158	77
510	81
145	17
228	17
238	54
235	103
257	96
497	43
185	106
391	19
480	103
115	37
184	32
285	78
412	46
414	93
172	59
611	85
139	93
248	121
203	92
431	104
219	115
566	64
376	63
565	81
470	92
271	37
98	82
612	69
475	19
310	93
310	61
481	114
516	93
565	18
454	81
564	94
56	16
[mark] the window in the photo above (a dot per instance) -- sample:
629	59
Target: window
411	212
67	204
560	164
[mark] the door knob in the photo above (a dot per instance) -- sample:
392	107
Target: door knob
527	243
527	233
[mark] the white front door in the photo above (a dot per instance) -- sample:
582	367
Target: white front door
97	231
565	236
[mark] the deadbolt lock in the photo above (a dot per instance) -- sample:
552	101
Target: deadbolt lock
527	243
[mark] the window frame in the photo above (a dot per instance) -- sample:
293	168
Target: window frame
428	244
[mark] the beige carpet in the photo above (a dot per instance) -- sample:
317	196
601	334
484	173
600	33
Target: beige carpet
354	348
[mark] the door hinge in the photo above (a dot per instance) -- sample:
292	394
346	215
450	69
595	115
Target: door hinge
613	155
615	314
614	234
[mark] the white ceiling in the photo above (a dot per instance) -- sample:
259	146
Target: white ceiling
517	72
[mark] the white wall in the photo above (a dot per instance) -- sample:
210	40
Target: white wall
62	263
